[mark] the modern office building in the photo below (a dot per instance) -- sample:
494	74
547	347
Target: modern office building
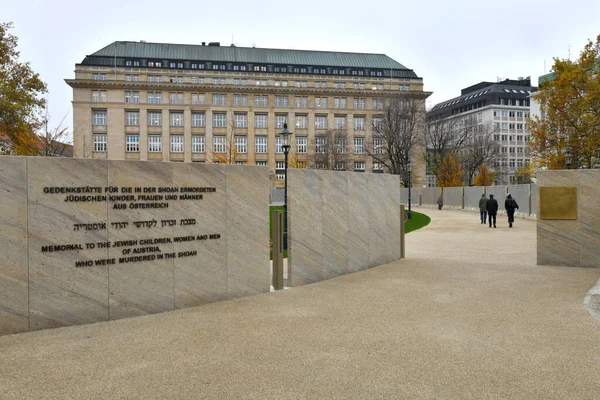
212	103
502	108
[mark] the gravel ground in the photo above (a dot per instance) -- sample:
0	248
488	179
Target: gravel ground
468	315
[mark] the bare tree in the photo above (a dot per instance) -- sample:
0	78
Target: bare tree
479	149
331	150
397	133
54	142
444	136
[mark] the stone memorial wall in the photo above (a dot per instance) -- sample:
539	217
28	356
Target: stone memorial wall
94	240
472	197
453	197
340	222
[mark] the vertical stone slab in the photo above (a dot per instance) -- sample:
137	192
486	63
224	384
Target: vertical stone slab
392	215
534	199
588	204
358	221
499	193
14	307
521	195
61	293
335	223
404	195
559	241
453	197
377	229
201	278
472	197
144	287
247	231
305	219
429	195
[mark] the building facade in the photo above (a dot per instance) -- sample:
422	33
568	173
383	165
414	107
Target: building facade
501	109
210	103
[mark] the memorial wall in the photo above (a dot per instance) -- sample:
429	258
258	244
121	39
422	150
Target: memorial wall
85	241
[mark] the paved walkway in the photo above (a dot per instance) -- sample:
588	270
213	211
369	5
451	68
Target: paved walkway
467	316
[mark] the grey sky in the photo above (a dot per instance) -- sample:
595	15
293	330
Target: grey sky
450	44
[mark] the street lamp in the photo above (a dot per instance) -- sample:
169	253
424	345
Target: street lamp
409	185
285	134
568	159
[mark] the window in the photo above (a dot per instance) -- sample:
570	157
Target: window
504	113
261	101
511	150
511	114
198	143
339	102
339	166
320	102
219	120
321	122
132	143
198	98
519	114
359	123
219	99
301	145
154	118
301	101
260	121
198	119
136	97
99	117
128	97
280	120
261	163
241	144
240	100
175	98
519	150
320	144
100	142
176	143
359	166
260	144
340	145
359	146
199	81
154	97
377	104
99	96
377	123
154	143
219	144
301	121
378	145
377	167
280	170
241	120
132	118
281	101
176	119
340	122
278	144
360	104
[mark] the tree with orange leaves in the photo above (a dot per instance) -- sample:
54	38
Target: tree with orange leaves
449	172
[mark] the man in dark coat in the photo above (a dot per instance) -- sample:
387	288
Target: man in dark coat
483	208
492	209
511	205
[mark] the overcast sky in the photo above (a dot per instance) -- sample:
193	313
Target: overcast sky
450	44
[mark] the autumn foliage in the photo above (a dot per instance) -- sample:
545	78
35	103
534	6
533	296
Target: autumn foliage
484	177
449	172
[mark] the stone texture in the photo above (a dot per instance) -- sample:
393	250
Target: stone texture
146	287
392	212
534	200
247	230
378	232
429	195
453	197
60	293
203	278
472	197
305	226
588	205
335	223
358	222
14	307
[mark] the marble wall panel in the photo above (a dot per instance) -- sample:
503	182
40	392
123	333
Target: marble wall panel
392	212
414	196
521	194
559	241
201	278
379	235
588	204
472	197
144	287
335	229
305	226
358	221
499	193
453	197
429	195
247	230
534	200
14	306
60	293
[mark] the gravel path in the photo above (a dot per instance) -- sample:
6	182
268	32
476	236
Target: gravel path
468	315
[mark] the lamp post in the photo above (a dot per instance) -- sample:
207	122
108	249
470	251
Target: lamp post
285	134
568	159
409	199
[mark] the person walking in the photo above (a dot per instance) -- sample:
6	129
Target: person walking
492	209
440	202
483	208
511	205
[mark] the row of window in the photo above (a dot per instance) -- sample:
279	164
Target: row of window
241	100
518	138
510	114
512	126
240	120
132	144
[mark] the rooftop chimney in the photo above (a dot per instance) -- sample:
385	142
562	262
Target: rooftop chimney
203	43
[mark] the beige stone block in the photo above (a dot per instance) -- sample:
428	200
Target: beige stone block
335	223
201	278
392	213
247	230
14	307
60	292
145	287
378	234
305	229
589	207
358	221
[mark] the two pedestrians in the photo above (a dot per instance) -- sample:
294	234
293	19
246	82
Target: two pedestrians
483	208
